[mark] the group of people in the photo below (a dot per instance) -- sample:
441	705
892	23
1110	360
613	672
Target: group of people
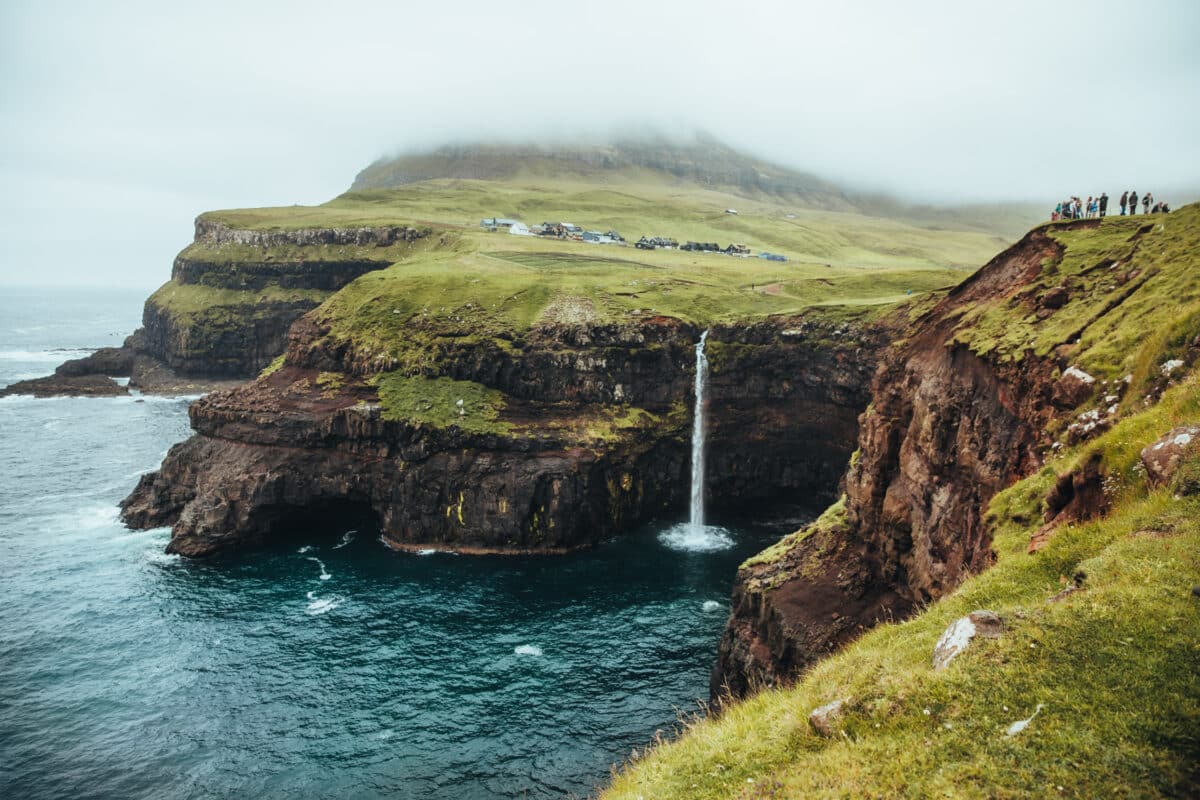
1096	207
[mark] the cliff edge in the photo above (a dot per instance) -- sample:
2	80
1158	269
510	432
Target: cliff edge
1025	495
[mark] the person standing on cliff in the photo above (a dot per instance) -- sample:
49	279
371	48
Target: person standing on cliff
1103	204
1146	201
1124	201
1132	203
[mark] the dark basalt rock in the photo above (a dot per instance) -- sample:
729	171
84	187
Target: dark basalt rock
111	361
782	413
67	386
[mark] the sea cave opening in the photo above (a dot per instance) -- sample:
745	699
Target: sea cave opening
321	521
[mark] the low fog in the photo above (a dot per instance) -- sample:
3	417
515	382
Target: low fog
123	121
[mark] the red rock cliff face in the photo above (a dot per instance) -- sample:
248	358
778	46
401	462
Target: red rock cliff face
783	409
944	432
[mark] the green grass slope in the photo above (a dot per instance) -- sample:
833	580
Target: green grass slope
699	163
463	283
638	206
1114	664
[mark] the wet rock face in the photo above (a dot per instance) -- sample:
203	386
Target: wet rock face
114	361
272	451
67	386
222	495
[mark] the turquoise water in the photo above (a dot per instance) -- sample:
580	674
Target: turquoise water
328	666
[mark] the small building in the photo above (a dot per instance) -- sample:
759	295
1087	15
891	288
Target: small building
519	229
496	222
731	211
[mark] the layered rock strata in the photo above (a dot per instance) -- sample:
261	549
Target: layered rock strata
226	312
592	437
946	429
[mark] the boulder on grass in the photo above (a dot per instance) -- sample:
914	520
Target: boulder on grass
1163	457
824	718
960	633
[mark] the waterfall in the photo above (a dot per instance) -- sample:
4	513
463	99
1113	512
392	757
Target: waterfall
694	536
696	520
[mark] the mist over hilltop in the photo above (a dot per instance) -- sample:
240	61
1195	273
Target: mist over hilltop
131	113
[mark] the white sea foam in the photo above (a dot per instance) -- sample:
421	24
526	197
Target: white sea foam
134	396
44	356
428	551
157	557
696	538
347	538
711	605
305	549
321	605
92	517
324	572
527	650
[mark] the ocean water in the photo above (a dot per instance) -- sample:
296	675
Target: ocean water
326	666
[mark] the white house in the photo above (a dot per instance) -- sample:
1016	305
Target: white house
519	229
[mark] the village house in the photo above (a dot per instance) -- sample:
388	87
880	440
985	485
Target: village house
497	222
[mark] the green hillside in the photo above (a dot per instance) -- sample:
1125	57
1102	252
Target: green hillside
1102	625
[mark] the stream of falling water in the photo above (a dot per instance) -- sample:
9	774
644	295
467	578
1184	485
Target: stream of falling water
696	517
694	535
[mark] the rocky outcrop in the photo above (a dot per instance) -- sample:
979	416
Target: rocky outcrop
1161	460
946	430
220	341
250	286
558	474
271	278
67	386
116	361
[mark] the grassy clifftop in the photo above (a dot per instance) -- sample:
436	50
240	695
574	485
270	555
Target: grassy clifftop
1101	625
1113	278
635	205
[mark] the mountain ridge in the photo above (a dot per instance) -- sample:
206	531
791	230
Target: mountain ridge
703	162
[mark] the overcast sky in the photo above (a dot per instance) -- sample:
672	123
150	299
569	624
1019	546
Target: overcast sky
122	121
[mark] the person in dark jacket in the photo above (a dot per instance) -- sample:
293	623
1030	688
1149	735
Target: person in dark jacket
1124	202
1132	203
1146	201
1103	204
